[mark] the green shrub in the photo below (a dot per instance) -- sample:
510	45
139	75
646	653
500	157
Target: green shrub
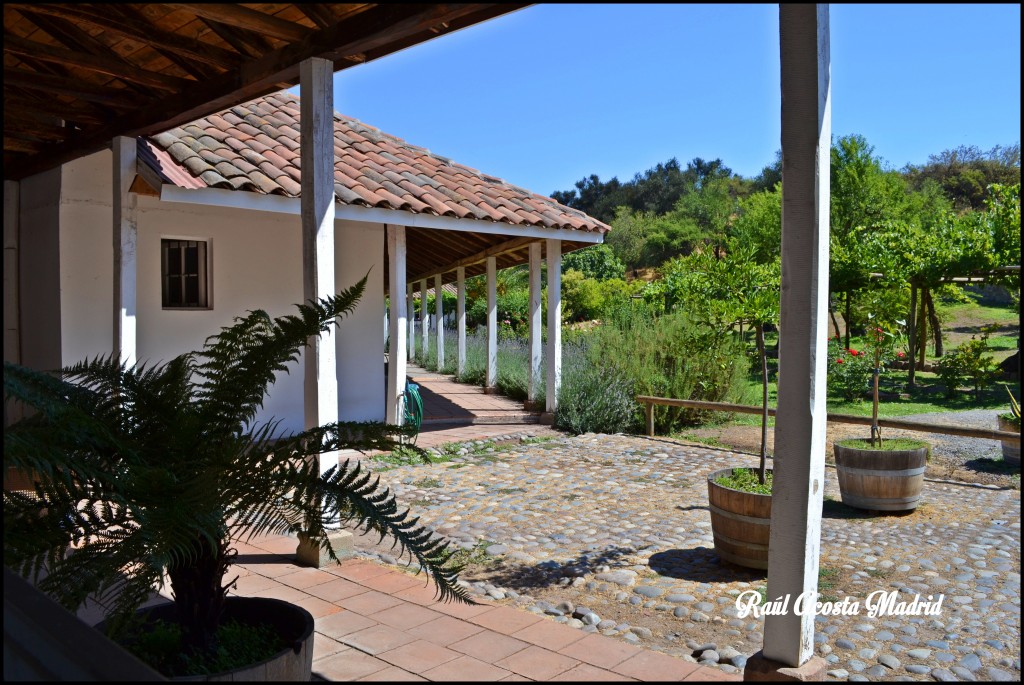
594	397
968	363
849	371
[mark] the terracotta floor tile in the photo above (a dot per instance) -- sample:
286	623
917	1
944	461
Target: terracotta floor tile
317	607
325	646
424	595
489	646
391	674
650	665
445	630
253	583
705	674
282	545
537	663
550	635
460	610
342	623
600	651
357	570
465	669
405	616
377	639
369	602
269	568
305	577
283	592
392	581
585	673
347	665
515	677
418	656
506	620
335	589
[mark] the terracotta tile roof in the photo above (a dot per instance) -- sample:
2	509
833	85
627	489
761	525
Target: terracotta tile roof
255	147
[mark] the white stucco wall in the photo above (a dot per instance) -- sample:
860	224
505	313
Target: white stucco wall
255	263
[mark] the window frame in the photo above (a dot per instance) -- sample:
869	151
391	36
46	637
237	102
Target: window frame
204	275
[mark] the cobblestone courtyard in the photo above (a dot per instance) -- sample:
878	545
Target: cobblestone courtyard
611	534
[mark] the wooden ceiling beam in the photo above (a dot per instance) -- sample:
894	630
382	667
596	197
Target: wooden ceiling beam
248	19
499	249
12	144
18	106
103	65
135	30
200	71
69	87
250	44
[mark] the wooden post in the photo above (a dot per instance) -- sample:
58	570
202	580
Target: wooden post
799	465
13	411
397	324
492	325
125	241
411	313
460	318
424	321
649	410
536	352
439	315
320	381
911	339
554	355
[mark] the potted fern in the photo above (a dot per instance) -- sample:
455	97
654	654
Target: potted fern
872	474
145	475
1010	422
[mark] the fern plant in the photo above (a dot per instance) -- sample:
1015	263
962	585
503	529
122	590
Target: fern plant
151	471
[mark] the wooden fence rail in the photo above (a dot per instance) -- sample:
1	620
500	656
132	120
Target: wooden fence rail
983	433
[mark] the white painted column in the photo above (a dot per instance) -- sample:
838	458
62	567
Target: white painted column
424	320
320	381
536	354
12	300
799	464
411	313
554	353
125	259
439	312
460	317
492	323
397	320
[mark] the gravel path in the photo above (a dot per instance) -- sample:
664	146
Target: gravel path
611	534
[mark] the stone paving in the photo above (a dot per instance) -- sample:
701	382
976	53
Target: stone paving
611	534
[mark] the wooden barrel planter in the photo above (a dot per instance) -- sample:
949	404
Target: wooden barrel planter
880	480
1011	453
740	523
292	622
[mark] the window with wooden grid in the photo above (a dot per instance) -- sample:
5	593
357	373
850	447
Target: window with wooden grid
184	271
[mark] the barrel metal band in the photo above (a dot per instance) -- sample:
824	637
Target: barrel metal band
738	517
880	472
752	546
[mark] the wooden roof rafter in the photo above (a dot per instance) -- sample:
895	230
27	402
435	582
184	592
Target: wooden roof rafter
141	69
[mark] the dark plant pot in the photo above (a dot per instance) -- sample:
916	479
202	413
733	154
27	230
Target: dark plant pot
1011	453
740	523
295	624
881	480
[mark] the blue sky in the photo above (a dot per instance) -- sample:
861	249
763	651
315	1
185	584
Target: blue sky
547	95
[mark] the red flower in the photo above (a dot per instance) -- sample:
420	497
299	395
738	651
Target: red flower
900	355
839	361
853	352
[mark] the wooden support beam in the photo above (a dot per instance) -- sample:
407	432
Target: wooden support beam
95	63
412	320
492	326
479	257
424	320
553	379
460	319
397	353
140	31
536	333
248	19
320	381
70	87
125	215
799	465
439	315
